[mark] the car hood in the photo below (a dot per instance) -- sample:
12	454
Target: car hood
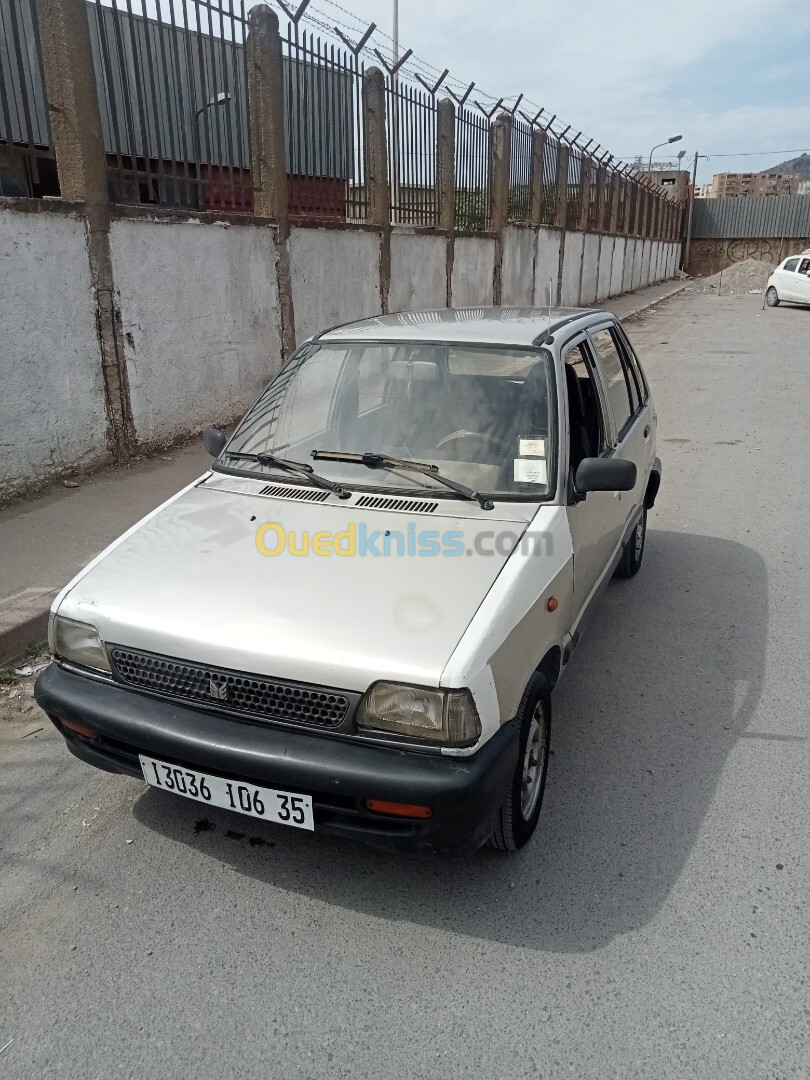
189	582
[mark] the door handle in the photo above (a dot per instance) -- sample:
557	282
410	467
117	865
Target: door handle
647	431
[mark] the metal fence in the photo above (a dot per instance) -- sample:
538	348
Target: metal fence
755	217
23	116
171	78
472	170
411	134
324	127
520	171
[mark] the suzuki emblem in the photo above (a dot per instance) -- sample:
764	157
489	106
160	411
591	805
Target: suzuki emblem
217	690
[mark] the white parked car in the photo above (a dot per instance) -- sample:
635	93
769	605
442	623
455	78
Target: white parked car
790	281
355	620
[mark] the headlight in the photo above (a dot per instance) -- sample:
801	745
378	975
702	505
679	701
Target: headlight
448	717
77	642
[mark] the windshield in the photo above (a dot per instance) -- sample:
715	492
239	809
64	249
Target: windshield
480	415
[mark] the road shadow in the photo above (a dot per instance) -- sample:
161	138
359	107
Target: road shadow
664	683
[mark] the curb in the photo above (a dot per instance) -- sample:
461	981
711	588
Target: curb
653	303
23	622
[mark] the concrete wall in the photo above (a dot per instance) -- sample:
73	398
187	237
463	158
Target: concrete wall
199	313
547	265
572	269
473	268
335	277
418	272
52	411
590	269
517	273
711	256
203	302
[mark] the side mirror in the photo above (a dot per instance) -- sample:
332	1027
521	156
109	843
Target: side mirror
605	474
214	441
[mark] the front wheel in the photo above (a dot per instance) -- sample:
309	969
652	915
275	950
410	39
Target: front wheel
519	814
772	297
634	549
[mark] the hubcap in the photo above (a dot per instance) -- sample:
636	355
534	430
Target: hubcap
641	530
533	763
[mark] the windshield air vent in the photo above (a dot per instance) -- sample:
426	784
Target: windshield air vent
384	502
287	491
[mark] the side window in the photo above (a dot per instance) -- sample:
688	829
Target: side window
585	420
805	267
633	365
791	265
616	381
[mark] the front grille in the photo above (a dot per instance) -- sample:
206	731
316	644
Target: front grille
231	691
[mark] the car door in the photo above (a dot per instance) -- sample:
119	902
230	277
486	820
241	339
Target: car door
787	280
595	520
631	412
803	282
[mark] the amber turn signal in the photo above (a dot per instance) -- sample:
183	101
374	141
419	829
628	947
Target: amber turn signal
79	729
398	809
552	603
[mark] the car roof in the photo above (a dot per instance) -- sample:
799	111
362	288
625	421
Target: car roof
490	325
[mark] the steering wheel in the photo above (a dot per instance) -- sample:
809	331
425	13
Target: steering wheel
500	448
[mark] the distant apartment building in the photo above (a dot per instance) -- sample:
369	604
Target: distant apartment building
804	188
704	191
742	185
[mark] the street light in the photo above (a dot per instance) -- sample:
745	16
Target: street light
217	99
675	138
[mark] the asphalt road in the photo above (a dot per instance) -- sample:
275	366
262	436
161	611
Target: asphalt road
657	926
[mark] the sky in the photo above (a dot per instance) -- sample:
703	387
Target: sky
731	76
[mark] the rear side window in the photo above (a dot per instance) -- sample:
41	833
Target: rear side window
633	365
791	265
617	384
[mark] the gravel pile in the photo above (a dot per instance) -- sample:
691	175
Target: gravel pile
750	275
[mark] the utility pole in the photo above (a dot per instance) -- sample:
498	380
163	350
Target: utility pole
691	213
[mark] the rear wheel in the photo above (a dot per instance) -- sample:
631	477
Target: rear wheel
634	549
772	297
521	809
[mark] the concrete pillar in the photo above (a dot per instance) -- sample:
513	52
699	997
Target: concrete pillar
446	164
75	119
539	139
586	179
501	140
561	215
378	210
265	84
601	181
615	194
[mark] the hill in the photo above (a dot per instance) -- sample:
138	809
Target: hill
800	165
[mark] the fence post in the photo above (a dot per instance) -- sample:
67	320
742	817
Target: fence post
586	179
615	193
539	139
81	163
375	154
631	197
561	214
499	182
265	85
601	180
446	164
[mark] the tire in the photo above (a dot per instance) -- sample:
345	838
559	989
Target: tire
634	549
772	297
520	812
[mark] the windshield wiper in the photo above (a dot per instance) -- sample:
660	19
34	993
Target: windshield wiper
300	468
383	461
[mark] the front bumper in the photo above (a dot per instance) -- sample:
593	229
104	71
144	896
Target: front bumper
465	794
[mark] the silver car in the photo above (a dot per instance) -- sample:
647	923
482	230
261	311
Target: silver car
354	622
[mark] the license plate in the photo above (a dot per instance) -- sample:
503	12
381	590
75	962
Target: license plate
259	802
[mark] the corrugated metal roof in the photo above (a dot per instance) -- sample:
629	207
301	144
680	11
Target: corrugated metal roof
758	216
